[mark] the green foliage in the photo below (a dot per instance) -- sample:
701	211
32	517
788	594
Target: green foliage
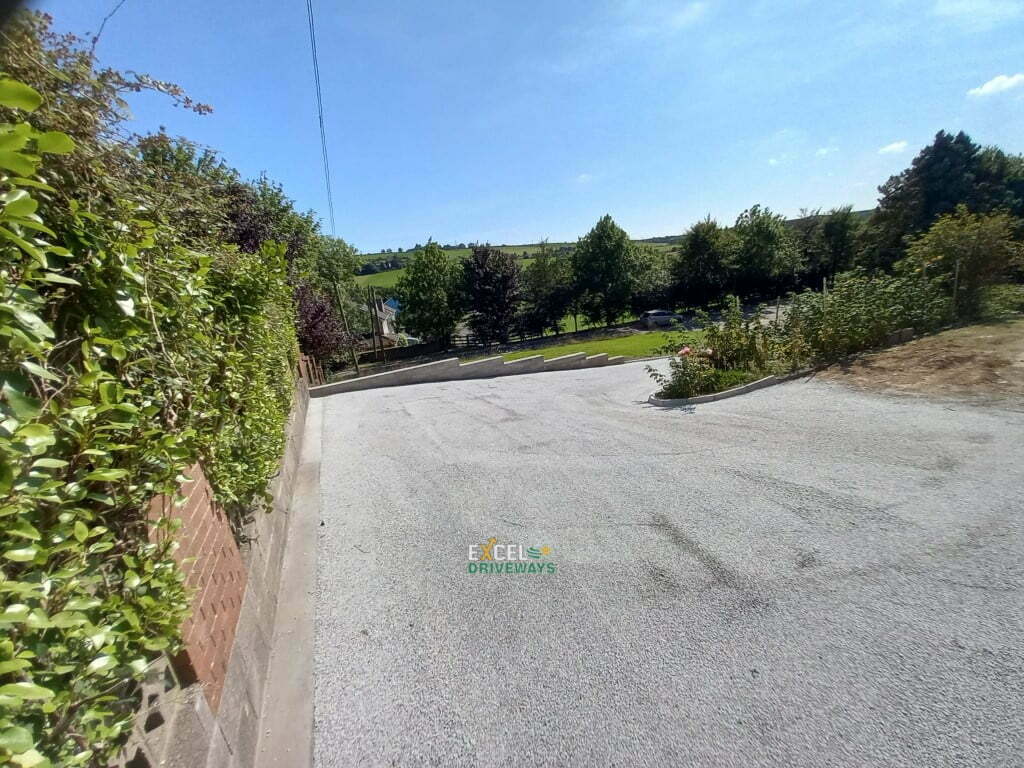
737	342
766	257
951	171
694	374
606	268
431	295
652	286
1000	302
701	269
858	312
827	243
493	284
547	292
967	252
125	357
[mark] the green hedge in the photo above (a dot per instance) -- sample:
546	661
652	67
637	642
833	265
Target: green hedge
124	359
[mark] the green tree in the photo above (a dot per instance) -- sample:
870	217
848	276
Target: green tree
547	291
949	171
605	267
766	258
493	289
431	294
826	243
840	233
968	251
652	287
701	268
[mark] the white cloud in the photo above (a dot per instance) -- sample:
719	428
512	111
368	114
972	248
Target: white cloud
892	149
615	30
826	151
998	84
584	178
979	13
689	14
655	20
773	161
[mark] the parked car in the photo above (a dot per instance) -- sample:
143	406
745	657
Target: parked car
655	318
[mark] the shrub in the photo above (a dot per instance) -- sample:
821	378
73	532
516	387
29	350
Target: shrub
124	359
967	252
858	312
691	374
737	341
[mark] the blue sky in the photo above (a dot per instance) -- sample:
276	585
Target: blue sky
512	121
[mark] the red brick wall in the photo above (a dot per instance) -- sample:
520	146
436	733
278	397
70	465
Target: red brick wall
214	571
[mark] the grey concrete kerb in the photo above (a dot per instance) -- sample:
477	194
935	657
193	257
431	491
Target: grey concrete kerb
286	727
753	386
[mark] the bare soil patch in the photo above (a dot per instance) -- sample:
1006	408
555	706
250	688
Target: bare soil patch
978	361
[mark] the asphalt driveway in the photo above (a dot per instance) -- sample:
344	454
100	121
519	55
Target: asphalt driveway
803	576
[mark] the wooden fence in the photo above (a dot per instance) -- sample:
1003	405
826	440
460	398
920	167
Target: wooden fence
311	370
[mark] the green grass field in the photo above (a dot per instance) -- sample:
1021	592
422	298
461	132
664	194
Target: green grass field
387	280
633	345
383	280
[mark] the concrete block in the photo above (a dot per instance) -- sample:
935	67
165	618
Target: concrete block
237	715
566	362
481	369
596	361
220	755
530	364
616	360
193	727
437	371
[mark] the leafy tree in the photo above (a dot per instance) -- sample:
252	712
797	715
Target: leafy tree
493	288
333	263
766	258
949	171
547	291
700	272
968	251
653	283
840	232
317	326
605	266
826	243
431	294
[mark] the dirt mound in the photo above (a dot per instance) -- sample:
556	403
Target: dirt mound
982	361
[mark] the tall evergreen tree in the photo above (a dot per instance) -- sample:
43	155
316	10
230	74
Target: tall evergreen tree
493	290
949	171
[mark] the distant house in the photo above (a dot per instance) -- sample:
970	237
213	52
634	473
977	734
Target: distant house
387	311
386	329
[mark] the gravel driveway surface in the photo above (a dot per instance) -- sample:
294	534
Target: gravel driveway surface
803	576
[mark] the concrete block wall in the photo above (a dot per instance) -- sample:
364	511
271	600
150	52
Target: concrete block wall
452	370
202	708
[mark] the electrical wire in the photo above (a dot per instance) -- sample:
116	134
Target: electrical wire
320	111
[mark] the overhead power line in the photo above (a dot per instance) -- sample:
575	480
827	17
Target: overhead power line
320	111
103	25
